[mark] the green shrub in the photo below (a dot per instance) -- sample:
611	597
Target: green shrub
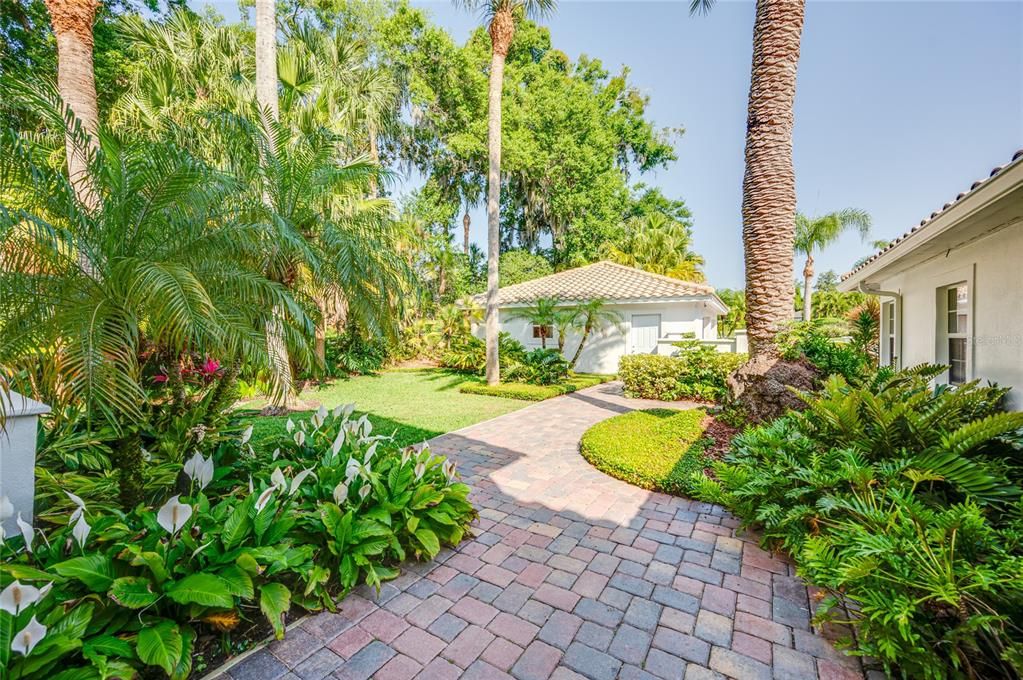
469	353
527	392
696	372
349	353
539	367
902	501
654	449
819	341
131	592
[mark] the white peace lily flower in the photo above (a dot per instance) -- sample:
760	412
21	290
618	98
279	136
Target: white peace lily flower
173	515
264	498
340	493
339	441
276	454
299	478
349	409
371	451
17	596
316	421
45	590
420	470
146	456
449	470
406	455
27	532
290	427
352	469
200	470
300	437
365	490
81	530
338	410
28	637
277	479
6	508
322	412
78	510
250	484
247	435
367	426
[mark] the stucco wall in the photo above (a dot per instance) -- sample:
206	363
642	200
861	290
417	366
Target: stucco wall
603	350
993	269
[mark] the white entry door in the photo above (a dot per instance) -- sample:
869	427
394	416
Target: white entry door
646	328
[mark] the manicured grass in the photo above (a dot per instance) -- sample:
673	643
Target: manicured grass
413	404
655	449
535	392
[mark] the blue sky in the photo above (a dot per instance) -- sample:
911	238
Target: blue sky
899	105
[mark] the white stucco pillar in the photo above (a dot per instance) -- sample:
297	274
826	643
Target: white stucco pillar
18	455
741	341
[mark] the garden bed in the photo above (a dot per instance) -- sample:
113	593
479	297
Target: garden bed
528	392
657	449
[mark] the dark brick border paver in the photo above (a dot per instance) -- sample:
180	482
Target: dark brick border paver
570	574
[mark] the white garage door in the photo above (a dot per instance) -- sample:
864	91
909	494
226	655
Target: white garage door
646	328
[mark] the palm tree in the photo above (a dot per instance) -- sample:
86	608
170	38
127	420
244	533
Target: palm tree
769	183
564	322
266	58
173	267
502	15
817	233
541	313
72	22
592	316
656	243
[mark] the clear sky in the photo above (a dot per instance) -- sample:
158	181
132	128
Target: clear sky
899	105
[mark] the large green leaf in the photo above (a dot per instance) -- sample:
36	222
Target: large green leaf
109	645
201	588
160	645
133	592
96	571
236	527
184	666
428	540
238	581
274	601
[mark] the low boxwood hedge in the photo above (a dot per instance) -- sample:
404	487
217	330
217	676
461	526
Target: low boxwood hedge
528	392
696	372
655	449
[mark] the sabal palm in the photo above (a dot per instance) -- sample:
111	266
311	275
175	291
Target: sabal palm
769	183
593	316
501	16
817	233
160	260
541	313
659	244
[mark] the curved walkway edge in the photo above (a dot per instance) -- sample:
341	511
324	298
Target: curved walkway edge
571	574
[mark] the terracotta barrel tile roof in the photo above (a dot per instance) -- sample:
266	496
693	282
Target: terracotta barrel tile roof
600	280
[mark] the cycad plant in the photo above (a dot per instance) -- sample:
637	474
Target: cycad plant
160	262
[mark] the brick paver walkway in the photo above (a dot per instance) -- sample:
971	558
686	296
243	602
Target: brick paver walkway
572	574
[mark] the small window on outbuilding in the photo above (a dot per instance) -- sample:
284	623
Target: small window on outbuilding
540	332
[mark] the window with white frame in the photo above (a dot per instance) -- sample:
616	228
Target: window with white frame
956	327
888	321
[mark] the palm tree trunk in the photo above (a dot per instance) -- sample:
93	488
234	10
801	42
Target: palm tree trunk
72	22
374	155
579	349
502	28
807	292
266	57
769	184
466	220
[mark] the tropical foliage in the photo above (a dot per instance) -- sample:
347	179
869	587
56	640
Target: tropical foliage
902	502
819	232
695	371
242	534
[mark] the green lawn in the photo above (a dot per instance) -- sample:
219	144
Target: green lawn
414	404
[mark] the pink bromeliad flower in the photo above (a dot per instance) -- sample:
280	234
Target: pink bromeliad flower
159	378
210	366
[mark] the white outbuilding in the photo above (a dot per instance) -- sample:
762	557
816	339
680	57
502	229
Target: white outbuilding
655	312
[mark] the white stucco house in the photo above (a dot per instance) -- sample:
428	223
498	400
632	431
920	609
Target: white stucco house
656	311
952	288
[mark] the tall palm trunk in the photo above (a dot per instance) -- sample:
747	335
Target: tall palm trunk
769	184
502	30
582	343
465	231
72	27
281	378
374	155
807	291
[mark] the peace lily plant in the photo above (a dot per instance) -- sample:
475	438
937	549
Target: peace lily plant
334	505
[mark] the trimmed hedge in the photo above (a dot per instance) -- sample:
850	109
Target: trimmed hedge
692	374
529	392
656	449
